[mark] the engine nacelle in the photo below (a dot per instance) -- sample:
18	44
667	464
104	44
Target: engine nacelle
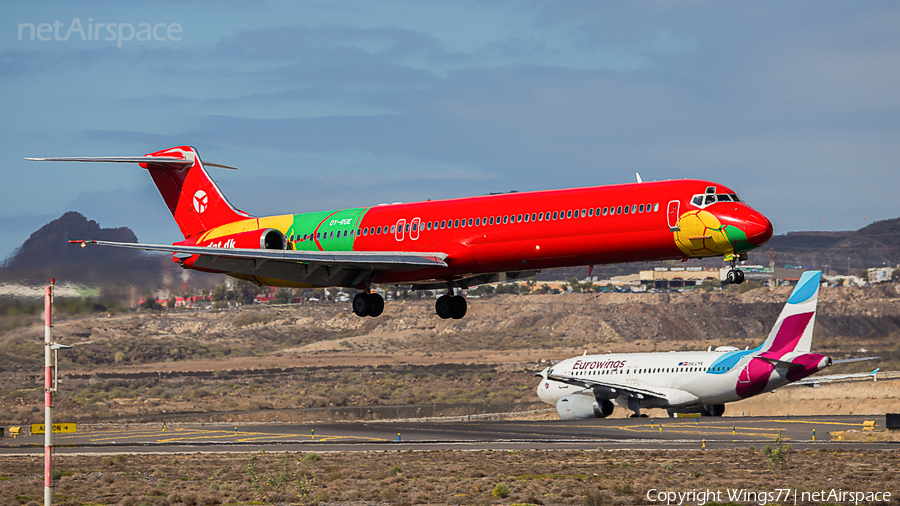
583	404
268	238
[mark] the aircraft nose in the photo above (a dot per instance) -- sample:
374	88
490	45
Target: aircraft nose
758	228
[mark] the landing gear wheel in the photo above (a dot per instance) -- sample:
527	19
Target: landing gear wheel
444	306
362	304
459	307
735	277
376	305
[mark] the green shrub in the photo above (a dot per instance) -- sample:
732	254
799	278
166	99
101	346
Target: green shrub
501	490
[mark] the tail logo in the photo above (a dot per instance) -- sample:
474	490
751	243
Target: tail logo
200	200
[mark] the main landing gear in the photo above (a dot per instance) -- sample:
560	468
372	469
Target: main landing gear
450	306
368	304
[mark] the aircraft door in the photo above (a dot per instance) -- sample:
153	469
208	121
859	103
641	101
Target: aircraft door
415	228
398	234
673	215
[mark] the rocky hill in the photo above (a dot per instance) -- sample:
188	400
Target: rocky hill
47	253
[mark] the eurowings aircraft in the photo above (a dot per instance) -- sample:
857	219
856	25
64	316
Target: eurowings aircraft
454	243
591	386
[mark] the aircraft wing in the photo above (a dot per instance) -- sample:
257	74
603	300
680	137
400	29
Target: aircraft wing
324	268
612	388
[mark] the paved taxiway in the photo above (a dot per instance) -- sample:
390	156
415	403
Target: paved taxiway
643	433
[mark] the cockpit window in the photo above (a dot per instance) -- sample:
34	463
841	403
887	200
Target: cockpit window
707	199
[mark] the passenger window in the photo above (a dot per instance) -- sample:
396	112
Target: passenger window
519	219
641	208
346	232
491	220
443	224
656	207
619	210
393	229
569	214
365	232
540	216
633	208
576	213
379	230
455	223
331	236
470	222
554	215
626	209
605	210
533	216
505	220
526	218
591	212
415	227
582	212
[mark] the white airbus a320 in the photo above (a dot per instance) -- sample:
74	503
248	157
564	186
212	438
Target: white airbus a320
703	382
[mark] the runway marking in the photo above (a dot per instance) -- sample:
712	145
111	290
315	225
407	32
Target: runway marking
198	435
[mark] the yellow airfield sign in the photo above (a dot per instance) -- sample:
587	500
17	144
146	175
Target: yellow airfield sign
38	428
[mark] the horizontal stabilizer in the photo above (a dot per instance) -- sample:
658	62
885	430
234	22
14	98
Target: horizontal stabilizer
848	360
117	159
131	159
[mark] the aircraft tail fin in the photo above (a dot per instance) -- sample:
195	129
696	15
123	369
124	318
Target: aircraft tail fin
794	328
192	196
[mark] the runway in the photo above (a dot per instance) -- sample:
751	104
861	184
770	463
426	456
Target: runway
456	434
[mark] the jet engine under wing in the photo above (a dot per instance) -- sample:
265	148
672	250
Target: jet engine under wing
326	268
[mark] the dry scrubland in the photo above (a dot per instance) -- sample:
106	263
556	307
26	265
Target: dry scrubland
463	477
321	362
296	362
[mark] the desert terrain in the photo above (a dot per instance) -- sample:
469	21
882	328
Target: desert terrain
304	361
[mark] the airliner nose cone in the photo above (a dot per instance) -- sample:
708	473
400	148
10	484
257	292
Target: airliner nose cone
758	229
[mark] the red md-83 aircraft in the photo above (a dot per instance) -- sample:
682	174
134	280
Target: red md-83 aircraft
454	243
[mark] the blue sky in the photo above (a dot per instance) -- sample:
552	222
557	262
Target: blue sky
335	104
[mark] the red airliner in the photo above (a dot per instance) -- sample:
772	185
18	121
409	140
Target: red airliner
455	243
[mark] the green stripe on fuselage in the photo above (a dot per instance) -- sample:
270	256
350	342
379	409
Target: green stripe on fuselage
334	229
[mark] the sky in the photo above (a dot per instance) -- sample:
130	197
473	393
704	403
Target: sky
331	104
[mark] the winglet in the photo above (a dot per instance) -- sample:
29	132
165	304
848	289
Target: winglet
638	176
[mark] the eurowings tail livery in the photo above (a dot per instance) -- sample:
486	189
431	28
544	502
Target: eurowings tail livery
692	382
444	244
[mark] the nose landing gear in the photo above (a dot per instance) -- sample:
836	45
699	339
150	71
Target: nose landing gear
735	276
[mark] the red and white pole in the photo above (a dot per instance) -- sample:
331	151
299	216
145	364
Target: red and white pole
48	395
